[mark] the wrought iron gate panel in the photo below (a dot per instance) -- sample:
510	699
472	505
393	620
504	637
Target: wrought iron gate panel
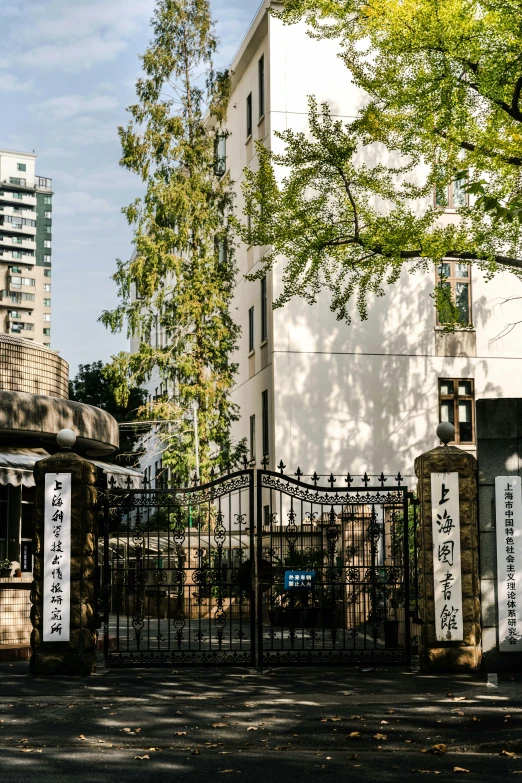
177	574
353	543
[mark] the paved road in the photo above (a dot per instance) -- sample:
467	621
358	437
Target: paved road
347	724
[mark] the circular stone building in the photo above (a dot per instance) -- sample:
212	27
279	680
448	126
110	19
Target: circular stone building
34	407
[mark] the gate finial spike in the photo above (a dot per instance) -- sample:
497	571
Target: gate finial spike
315	478
212	472
245	462
299	473
366	480
332	480
399	478
265	462
281	466
195	480
382	479
349	480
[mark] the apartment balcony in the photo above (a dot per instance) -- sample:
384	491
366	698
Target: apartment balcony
17	210
27	243
17	228
12	299
22	183
8	197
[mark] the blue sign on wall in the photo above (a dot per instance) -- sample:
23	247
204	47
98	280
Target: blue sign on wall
299	579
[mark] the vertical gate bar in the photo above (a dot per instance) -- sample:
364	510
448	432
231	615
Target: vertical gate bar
406	571
251	512
415	504
256	574
106	582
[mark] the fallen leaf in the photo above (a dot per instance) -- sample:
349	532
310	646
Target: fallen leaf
281	747
229	770
252	728
180	733
137	731
219	725
356	717
142	758
390	712
508	753
195	752
80	736
439	749
354	734
384	722
460	769
126	729
380	736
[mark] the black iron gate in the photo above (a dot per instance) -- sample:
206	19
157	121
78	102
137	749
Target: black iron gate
309	574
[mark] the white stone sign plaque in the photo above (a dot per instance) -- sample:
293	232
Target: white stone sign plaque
57	558
508	503
447	569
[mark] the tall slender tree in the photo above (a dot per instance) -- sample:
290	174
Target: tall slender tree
175	292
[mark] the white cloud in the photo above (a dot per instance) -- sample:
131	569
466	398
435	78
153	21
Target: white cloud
11	83
75	35
67	106
81	202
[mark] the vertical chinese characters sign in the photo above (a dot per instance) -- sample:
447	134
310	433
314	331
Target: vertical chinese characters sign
447	570
508	502
57	558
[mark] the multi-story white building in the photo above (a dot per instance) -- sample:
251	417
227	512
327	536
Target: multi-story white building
25	248
313	391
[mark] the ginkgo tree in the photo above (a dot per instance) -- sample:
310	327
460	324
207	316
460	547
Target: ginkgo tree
443	80
175	292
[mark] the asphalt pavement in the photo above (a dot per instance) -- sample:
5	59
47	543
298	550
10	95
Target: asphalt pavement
289	724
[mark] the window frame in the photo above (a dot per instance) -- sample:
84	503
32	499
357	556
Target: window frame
450	197
252	436
251	330
453	279
261	85
21	167
264	311
265	423
456	397
249	117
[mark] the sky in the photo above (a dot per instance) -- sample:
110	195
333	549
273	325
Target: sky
67	73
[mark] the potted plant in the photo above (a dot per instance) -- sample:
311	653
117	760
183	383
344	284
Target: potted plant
5	567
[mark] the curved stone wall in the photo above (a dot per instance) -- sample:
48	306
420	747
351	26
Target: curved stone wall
36	419
32	368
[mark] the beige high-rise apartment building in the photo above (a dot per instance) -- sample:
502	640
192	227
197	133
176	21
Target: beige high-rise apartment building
25	248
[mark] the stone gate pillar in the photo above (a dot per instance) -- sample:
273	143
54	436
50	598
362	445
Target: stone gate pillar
446	610
77	654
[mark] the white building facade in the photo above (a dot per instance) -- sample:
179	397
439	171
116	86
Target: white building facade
317	393
25	248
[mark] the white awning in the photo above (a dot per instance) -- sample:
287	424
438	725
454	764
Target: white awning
16	467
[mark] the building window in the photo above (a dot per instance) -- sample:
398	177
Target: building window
266	443
17	181
48	199
17	240
220	155
454	279
47	287
47	316
251	330
253	438
48	214
21	167
47	332
18	196
47	273
249	115
47	229
264	311
457	405
261	85
47	302
452	196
